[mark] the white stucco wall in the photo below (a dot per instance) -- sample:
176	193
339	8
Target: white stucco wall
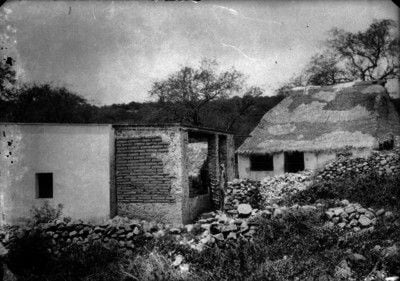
77	155
312	161
364	153
279	164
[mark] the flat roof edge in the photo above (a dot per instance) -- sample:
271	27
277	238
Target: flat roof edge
173	125
157	125
52	124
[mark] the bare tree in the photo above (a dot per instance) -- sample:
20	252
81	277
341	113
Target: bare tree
323	69
190	89
243	105
371	54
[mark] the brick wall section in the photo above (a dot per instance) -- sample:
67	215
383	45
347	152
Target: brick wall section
140	176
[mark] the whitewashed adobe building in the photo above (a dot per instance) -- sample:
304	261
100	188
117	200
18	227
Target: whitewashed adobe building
98	171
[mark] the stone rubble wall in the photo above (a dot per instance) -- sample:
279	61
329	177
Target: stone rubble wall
353	217
128	233
381	162
213	228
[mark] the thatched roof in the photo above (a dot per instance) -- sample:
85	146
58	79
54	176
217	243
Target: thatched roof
350	115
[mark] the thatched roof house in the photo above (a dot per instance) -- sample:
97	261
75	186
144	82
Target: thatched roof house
312	124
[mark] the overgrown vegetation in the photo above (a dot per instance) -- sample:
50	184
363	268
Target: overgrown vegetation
371	190
295	246
29	259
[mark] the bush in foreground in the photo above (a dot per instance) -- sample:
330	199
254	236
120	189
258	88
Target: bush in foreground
29	259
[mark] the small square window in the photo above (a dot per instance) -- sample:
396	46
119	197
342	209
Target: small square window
44	185
261	162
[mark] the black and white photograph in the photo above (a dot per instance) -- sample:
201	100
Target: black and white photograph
200	140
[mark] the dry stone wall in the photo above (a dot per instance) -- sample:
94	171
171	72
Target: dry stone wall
129	234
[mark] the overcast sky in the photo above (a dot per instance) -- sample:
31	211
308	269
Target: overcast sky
112	52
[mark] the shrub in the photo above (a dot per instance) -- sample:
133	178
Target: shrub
28	256
231	263
154	267
94	263
29	259
300	244
384	235
45	213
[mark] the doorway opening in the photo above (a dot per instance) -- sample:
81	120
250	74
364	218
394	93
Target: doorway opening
294	162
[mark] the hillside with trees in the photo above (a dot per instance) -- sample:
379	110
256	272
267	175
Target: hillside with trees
193	96
206	95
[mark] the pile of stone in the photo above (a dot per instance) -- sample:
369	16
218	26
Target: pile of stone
267	192
242	191
219	228
274	188
353	217
381	162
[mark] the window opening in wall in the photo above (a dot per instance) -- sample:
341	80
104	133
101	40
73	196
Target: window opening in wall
294	162
261	162
44	185
386	145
